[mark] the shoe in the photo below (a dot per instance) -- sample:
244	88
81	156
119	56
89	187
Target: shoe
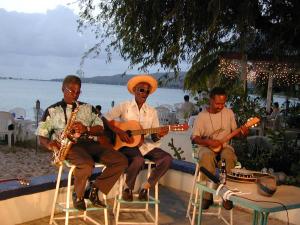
143	195
94	198
207	200
206	203
127	195
88	190
78	203
227	204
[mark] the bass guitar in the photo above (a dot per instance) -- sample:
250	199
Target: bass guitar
251	122
135	131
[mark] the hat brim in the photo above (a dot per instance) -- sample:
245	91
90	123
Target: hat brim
143	78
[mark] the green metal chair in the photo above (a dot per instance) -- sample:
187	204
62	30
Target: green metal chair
194	196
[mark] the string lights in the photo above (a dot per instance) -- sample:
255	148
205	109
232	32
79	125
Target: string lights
284	74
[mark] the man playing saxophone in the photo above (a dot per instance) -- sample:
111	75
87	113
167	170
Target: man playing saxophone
82	121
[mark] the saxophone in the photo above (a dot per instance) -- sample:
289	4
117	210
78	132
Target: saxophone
66	139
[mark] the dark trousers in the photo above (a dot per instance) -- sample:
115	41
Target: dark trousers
85	154
136	161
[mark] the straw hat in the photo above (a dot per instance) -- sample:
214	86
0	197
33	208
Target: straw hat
142	78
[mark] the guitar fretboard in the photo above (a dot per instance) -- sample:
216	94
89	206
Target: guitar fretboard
231	135
149	130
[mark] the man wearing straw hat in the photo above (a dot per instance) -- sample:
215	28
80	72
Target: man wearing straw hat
141	86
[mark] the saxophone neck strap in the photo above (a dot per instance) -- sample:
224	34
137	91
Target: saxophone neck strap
64	106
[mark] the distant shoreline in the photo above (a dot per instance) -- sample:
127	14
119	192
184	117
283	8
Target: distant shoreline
118	79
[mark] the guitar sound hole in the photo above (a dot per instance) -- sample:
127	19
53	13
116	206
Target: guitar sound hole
129	133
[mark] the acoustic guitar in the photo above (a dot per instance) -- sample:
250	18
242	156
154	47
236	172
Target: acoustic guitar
251	122
135	131
22	181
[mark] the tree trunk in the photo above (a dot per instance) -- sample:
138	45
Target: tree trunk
269	93
244	73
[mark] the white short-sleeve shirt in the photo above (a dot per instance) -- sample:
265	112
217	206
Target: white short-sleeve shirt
146	116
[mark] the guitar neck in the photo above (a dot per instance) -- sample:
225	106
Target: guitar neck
6	180
231	135
20	180
148	131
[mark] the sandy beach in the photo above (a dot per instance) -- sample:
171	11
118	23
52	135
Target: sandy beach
19	162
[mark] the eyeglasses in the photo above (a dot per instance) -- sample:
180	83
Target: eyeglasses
72	92
142	90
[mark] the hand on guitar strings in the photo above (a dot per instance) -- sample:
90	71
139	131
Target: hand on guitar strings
214	143
124	136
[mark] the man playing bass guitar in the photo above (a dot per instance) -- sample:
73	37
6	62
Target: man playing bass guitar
210	127
138	110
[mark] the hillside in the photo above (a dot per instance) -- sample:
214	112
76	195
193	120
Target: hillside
120	79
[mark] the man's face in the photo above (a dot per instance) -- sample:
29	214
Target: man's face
217	103
71	92
141	92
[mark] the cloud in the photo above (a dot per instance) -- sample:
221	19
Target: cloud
54	33
34	6
48	45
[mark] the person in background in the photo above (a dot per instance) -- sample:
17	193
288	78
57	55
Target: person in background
141	86
212	125
187	108
274	120
276	111
85	152
98	110
193	117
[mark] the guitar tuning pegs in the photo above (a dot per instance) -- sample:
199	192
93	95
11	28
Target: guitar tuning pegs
24	182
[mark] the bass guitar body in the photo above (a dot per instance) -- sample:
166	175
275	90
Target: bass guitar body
251	122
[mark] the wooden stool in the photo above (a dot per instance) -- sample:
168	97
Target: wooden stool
65	206
151	200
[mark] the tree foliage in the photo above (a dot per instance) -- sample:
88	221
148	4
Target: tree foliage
167	33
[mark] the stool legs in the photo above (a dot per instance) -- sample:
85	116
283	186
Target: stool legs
156	205
67	207
118	200
194	202
193	190
68	196
194	196
56	193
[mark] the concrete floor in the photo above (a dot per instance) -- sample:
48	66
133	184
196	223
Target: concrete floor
172	211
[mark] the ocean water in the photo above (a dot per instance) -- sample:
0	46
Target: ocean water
24	93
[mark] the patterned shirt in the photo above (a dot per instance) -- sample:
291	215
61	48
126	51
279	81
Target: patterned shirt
56	116
146	116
